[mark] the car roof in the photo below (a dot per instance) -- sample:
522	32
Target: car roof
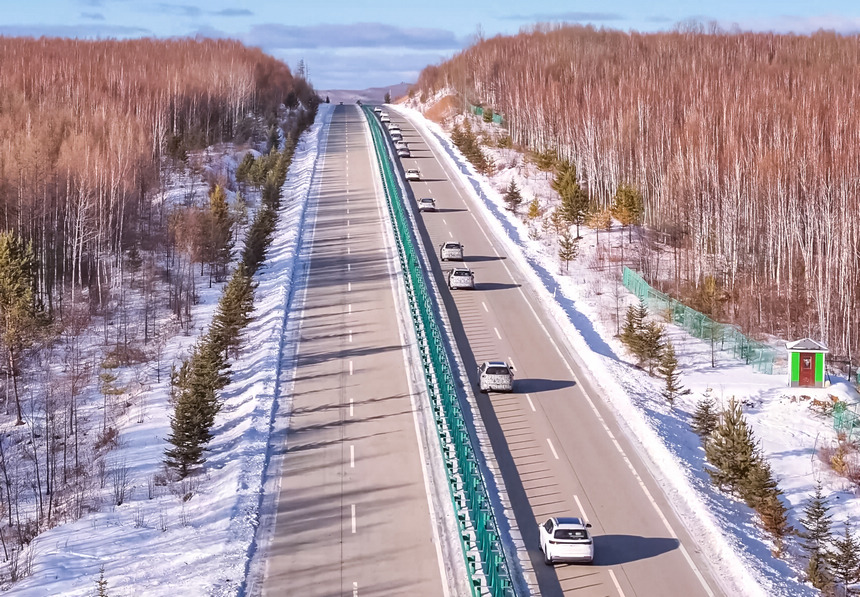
496	363
462	270
569	521
452	244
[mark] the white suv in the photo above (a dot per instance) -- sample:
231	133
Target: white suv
566	540
451	251
461	278
413	174
496	376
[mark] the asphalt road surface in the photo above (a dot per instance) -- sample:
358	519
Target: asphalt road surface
353	518
560	452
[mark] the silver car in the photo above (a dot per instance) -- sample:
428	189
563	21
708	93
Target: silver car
461	277
451	251
404	152
426	204
495	376
413	174
396	136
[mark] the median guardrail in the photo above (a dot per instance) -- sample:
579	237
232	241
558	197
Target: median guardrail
479	531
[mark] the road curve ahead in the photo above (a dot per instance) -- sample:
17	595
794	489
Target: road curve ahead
559	448
353	517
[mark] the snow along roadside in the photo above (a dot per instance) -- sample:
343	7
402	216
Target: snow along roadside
726	564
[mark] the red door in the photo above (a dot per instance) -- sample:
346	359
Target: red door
807	369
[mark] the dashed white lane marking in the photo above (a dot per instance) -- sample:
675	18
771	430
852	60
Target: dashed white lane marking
591	404
511	361
347	235
349	267
580	508
444	222
347	222
355	589
351	456
551	447
350	407
498	335
450	234
353	519
347	209
350	308
615	582
531	404
349	286
485	306
350	372
347	250
350	336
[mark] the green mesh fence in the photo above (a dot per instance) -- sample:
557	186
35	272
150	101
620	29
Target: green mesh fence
726	337
479	111
846	419
480	538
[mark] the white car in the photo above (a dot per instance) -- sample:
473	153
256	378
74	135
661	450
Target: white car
401	144
496	376
413	174
451	251
426	204
461	277
377	109
383	116
394	127
566	540
396	136
404	152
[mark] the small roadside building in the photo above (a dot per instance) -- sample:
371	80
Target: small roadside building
807	363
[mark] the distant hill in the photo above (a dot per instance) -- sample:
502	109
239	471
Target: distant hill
372	95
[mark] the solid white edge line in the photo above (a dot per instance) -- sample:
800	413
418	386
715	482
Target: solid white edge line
615	582
551	447
531	404
651	499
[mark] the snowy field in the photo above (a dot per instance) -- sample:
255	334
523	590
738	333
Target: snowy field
193	537
584	302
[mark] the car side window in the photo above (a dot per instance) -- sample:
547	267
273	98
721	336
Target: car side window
548	526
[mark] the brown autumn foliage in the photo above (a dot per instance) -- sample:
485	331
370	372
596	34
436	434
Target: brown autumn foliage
84	126
745	146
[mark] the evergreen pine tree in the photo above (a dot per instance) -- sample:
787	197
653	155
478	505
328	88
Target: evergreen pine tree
17	304
759	483
651	344
634	320
534	209
387	98
628	207
705	418
731	450
669	370
845	559
221	236
234	310
101	584
574	201
243	170
774	519
513	197
568	248
815	538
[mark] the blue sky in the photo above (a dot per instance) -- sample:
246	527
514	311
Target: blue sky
358	44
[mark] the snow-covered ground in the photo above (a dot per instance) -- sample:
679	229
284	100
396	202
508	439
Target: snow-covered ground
584	302
193	537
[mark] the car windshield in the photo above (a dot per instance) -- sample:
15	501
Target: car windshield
570	534
462	272
497	371
452	246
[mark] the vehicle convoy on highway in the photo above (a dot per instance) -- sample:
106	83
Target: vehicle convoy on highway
451	251
495	376
461	278
566	540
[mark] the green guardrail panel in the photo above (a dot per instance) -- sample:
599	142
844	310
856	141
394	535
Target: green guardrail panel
472	498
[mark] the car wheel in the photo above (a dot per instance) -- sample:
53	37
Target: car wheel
546	559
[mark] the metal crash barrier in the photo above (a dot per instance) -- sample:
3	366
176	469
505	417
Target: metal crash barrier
479	533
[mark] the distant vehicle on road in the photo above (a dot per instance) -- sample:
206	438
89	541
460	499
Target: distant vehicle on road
383	116
426	204
377	109
566	540
393	126
404	152
451	251
496	376
400	144
396	136
413	174
459	278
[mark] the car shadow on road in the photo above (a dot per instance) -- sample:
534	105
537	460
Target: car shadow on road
612	550
480	258
495	286
537	385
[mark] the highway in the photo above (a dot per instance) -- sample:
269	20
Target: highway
558	446
352	516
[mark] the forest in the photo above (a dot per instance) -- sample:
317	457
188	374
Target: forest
98	268
745	148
